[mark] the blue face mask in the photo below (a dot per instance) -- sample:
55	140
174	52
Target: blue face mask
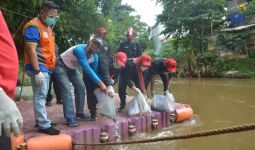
49	21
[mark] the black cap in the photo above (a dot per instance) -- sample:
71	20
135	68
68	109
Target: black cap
49	5
97	41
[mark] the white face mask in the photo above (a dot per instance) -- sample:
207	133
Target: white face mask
143	68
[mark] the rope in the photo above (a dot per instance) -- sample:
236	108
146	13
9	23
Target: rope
234	129
15	12
21	24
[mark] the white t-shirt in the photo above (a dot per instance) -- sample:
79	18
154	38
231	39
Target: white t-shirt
69	59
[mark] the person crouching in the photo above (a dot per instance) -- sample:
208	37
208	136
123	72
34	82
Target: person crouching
134	69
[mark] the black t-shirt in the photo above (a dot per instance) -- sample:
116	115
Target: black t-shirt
105	63
158	67
132	49
106	51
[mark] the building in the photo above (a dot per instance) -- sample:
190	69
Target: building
157	37
238	22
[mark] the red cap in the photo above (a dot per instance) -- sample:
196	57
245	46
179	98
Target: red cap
101	30
145	60
121	58
171	65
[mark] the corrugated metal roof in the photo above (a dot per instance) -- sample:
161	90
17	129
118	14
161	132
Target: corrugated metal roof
239	28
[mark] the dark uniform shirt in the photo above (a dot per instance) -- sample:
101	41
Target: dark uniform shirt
128	75
114	73
105	63
106	50
131	74
132	49
158	68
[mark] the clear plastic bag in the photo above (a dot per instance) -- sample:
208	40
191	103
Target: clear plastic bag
138	105
133	107
106	104
164	102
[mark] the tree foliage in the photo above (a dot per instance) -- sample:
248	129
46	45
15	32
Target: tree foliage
189	23
79	19
120	20
182	17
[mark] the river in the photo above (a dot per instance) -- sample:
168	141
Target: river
217	103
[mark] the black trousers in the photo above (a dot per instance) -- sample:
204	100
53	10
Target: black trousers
91	98
5	142
55	87
147	75
122	88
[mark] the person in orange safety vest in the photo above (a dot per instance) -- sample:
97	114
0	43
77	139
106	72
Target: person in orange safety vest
40	60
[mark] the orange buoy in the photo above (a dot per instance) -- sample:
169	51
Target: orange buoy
183	113
50	142
15	141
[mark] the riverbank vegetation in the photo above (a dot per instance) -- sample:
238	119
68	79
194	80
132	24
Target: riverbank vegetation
199	45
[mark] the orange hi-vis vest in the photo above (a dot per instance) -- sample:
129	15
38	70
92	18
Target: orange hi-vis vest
45	50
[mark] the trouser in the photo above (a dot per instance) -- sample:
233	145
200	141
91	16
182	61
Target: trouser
5	142
63	78
91	97
39	98
55	87
122	88
147	75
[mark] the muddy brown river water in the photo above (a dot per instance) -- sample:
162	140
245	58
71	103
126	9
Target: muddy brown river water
217	103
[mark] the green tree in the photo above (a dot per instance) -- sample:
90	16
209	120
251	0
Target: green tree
27	9
121	20
79	19
189	23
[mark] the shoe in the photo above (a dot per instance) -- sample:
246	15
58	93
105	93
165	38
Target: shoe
83	117
49	98
50	131
71	122
48	103
93	118
121	109
52	124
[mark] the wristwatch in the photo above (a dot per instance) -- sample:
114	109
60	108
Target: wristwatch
36	71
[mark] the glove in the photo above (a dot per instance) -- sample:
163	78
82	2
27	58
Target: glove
166	92
136	89
39	78
102	87
10	117
110	91
112	81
